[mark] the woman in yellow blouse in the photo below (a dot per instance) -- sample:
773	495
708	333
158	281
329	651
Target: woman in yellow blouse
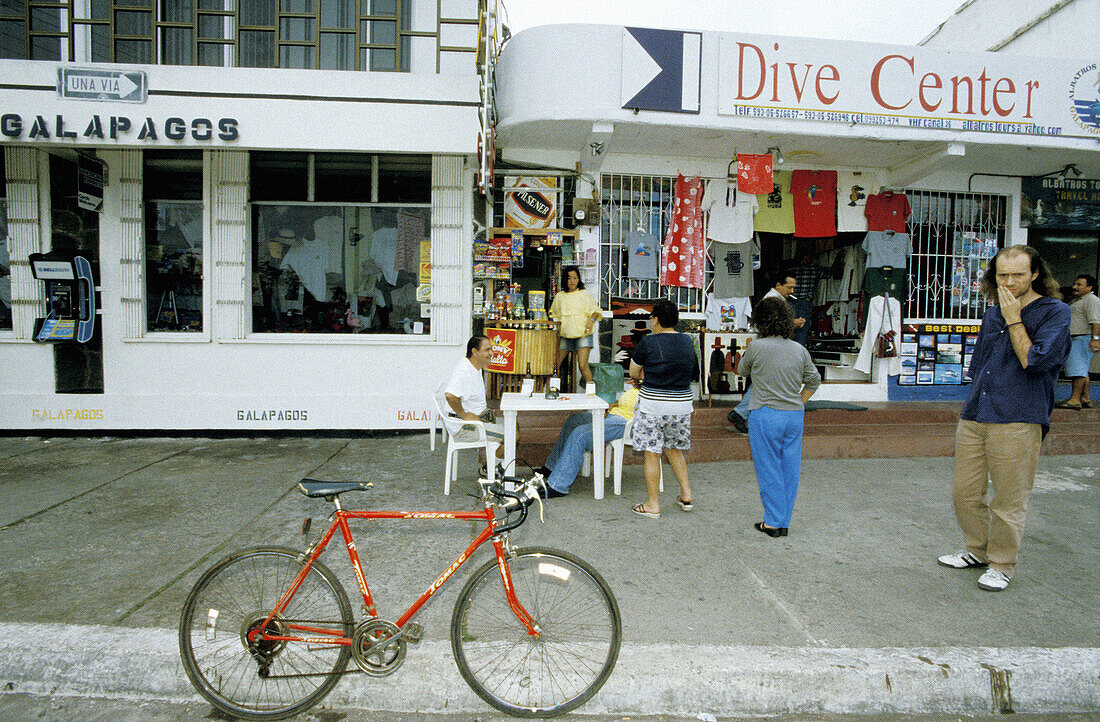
577	311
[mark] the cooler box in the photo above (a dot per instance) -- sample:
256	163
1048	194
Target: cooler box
609	380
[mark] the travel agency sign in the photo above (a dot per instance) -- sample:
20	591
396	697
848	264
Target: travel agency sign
801	79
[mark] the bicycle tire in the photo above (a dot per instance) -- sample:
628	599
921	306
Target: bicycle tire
229	598
581	633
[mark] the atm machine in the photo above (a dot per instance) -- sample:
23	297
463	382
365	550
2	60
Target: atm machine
69	298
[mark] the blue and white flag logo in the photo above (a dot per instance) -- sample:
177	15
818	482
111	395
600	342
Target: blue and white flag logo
1085	92
661	70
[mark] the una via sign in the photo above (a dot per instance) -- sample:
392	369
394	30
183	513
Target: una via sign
126	86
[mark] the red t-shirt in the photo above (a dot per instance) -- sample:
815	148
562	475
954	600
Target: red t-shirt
754	173
887	211
814	193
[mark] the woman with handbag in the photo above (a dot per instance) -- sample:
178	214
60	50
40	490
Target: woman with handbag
783	378
577	311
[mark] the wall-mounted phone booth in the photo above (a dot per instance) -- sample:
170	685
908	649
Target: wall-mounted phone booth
68	295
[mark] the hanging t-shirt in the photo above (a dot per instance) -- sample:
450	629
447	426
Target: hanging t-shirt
887	248
880	282
683	255
728	314
733	266
887	211
643	253
776	214
730	212
754	172
814	194
853	187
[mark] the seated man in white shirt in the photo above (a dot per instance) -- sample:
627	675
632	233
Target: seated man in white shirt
465	393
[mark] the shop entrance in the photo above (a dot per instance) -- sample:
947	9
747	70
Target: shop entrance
78	367
1068	254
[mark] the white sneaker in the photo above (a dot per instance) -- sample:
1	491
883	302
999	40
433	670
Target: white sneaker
993	580
961	560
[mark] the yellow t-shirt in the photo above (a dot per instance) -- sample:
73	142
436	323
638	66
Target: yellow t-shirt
573	309
776	214
625	405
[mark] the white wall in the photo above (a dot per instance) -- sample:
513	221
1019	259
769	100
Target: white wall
992	25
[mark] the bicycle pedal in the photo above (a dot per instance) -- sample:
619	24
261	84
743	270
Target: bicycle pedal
412	632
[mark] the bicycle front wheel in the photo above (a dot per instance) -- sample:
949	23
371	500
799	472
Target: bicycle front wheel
266	679
581	632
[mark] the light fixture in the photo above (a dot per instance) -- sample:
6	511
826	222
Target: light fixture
596	147
776	154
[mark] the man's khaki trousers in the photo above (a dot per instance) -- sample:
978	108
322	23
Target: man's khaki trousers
1007	455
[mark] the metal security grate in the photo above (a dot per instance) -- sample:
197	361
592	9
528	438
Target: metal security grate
954	237
633	202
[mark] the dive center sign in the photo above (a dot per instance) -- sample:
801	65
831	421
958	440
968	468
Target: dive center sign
123	86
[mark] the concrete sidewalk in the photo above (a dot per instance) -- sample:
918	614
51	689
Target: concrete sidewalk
101	540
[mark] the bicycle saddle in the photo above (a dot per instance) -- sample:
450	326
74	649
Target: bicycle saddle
314	488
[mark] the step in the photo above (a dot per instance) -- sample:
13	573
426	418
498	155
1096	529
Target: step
883	430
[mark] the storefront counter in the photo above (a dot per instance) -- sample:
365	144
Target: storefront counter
517	346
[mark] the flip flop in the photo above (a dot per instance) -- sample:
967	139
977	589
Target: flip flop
639	509
685	505
1067	405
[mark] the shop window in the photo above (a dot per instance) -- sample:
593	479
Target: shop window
324	268
321	34
279	176
954	235
5	256
173	240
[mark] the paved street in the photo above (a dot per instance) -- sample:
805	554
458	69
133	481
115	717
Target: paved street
100	540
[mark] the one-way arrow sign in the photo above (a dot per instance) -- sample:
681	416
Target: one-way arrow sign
125	86
661	70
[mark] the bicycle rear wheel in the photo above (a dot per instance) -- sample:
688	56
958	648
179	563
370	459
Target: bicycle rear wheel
581	632
269	679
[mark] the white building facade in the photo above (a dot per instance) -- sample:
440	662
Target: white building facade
283	236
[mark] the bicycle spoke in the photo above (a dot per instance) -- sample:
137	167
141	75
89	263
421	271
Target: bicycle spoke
237	595
579	637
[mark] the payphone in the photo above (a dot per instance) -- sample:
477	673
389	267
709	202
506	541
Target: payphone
69	296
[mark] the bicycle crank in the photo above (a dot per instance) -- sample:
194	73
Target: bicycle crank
378	647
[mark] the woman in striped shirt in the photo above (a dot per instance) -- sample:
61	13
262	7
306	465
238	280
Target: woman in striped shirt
663	361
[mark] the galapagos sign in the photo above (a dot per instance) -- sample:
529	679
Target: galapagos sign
865	84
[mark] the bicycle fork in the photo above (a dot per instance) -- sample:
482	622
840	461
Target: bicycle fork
522	614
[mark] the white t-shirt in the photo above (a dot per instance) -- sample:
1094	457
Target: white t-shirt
728	314
731	212
852	189
468	385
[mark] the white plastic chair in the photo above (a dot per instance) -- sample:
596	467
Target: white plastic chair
614	452
452	425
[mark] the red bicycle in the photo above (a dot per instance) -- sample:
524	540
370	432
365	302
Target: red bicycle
267	632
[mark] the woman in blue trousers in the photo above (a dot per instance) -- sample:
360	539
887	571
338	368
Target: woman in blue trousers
783	378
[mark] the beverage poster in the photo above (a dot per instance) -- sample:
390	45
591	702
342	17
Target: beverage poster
503	342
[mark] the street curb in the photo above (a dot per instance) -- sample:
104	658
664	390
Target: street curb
79	660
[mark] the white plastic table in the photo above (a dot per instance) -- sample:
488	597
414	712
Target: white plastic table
512	403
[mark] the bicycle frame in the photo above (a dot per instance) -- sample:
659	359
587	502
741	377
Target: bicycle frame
340	521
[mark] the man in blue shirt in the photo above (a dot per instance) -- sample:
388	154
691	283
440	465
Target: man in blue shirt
1022	344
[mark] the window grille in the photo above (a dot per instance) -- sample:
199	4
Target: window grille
632	202
954	236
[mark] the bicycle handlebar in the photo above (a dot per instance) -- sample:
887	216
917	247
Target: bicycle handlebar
513	501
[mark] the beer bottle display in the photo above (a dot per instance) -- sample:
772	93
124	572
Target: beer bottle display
553	384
